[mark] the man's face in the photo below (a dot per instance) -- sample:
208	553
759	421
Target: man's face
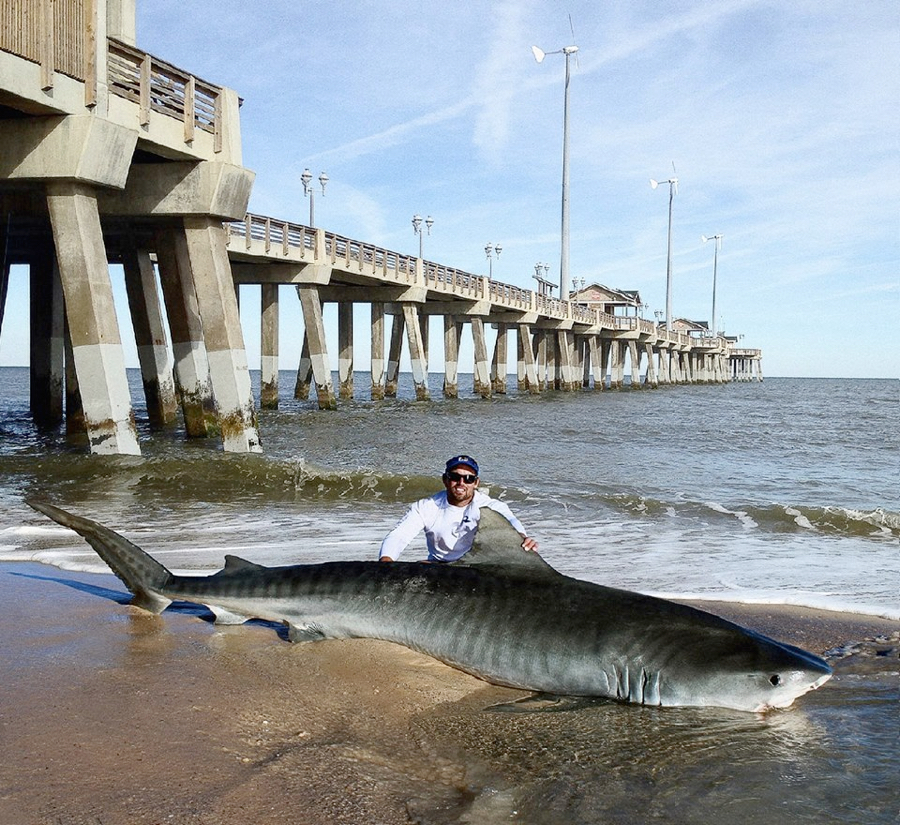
459	492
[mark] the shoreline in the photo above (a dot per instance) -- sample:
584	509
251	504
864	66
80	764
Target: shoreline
111	715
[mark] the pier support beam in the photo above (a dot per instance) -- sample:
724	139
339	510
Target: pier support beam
554	379
565	365
675	366
376	359
268	378
424	328
651	380
47	315
539	348
635	358
665	363
228	370
583	348
153	352
304	371
74	408
452	332
188	347
596	360
90	309
526	359
345	350
521	379
417	356
4	267
499	360
482	378
616	367
318	348
392	378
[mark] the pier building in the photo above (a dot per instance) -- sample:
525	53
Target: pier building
112	155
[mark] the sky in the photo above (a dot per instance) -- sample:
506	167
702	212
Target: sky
779	119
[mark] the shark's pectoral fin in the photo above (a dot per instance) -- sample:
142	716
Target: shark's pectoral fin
305	632
544	703
224	616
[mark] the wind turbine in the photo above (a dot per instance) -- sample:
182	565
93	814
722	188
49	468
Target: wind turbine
673	190
718	240
539	55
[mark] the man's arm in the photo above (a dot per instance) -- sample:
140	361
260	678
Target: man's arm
406	530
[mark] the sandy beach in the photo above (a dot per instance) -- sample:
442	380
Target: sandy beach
112	716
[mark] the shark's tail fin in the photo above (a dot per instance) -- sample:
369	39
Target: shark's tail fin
142	575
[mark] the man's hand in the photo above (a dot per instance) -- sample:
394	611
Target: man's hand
529	544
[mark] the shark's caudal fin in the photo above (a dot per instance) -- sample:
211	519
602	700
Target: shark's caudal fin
498	544
141	574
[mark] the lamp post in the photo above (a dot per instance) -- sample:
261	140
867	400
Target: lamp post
718	246
306	179
490	250
417	228
673	188
539	55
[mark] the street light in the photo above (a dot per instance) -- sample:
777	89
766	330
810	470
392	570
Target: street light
673	189
718	246
306	179
417	228
488	251
539	55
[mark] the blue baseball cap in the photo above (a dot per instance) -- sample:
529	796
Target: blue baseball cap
462	461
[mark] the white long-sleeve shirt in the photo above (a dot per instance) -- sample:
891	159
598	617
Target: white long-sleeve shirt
449	530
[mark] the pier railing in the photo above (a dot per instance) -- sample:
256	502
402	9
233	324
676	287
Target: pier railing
283	240
157	86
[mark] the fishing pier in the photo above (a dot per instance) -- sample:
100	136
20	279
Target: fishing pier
112	156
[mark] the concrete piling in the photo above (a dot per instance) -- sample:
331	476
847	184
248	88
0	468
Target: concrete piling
153	350
377	351
191	364
268	347
345	350
318	348
90	310
452	332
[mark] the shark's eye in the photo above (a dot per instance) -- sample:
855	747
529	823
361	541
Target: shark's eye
775	680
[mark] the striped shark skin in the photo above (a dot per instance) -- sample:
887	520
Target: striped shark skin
499	613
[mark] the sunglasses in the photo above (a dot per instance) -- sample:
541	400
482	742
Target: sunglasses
465	479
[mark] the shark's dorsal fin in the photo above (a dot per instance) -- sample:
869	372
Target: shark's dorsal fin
235	564
498	544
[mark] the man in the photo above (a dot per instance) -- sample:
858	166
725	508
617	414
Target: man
450	518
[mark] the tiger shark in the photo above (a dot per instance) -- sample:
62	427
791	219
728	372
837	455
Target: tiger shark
500	613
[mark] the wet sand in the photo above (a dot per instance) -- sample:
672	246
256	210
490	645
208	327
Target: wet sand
110	716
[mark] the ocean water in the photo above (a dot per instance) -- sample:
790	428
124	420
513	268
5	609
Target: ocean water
781	492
